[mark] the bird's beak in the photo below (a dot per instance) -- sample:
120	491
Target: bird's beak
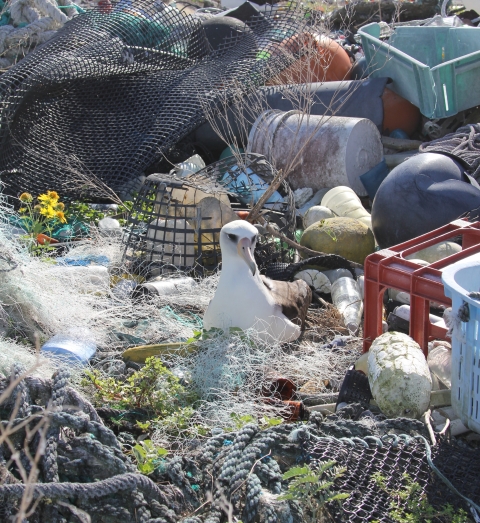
244	251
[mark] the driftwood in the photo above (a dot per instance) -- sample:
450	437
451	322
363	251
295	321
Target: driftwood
354	16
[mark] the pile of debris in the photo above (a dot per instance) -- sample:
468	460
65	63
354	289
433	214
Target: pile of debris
240	258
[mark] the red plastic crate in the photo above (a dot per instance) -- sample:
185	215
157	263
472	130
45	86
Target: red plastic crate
388	268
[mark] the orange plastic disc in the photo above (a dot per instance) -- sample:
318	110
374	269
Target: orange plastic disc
399	113
322	60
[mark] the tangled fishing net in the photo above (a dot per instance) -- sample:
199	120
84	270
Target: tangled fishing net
118	88
463	145
228	372
233	376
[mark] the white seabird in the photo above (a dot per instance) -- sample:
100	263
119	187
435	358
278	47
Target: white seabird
244	299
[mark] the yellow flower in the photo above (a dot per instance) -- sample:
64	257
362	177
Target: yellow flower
49	199
26	197
48	211
61	217
60	206
53	195
22	209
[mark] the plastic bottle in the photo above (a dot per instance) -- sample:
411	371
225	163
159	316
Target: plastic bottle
440	362
334	274
403	311
346	297
74	346
166	287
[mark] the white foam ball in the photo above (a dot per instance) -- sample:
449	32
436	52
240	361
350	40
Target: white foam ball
316	214
315	279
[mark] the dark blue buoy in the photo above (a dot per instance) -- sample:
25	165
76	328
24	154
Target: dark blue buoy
420	195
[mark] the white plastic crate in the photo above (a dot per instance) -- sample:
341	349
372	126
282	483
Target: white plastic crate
459	280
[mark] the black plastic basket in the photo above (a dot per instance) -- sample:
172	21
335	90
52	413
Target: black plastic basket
355	388
177	221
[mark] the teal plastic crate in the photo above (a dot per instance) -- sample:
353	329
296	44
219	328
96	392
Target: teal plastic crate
435	68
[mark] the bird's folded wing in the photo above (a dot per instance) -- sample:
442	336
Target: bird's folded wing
294	298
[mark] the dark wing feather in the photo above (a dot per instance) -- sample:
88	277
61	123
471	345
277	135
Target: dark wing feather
294	298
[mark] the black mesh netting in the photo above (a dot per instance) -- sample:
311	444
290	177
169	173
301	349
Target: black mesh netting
177	221
115	90
374	473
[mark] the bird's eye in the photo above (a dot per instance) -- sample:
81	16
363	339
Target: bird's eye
233	237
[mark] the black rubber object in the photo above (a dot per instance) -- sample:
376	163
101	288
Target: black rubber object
423	193
355	388
220	29
286	272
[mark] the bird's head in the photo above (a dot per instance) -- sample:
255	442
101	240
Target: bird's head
237	241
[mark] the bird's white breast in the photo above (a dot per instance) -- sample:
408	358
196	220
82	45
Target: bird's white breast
243	301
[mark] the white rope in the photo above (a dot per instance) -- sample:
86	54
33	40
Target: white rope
30	14
69	12
43	18
16	11
5	30
46	8
29	32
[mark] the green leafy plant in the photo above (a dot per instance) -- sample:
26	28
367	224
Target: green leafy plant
313	487
410	505
148	456
153	388
266	422
82	212
239	421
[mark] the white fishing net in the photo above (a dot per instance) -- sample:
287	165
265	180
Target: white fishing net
231	373
50	294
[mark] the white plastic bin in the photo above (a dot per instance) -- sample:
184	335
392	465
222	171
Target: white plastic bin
459	280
